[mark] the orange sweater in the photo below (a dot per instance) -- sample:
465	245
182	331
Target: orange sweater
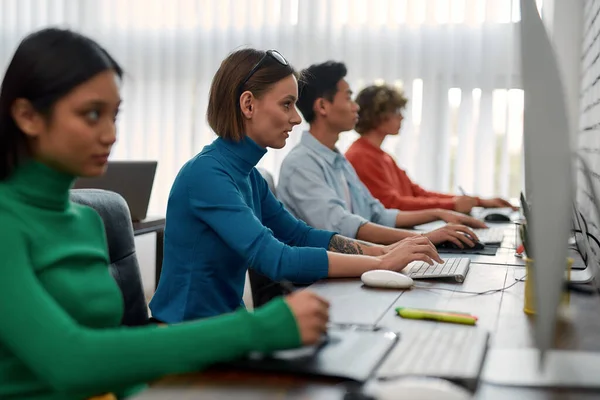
390	184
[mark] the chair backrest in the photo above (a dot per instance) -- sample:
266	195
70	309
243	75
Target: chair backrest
124	267
263	288
269	178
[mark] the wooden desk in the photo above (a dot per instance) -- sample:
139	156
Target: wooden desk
150	225
243	385
500	313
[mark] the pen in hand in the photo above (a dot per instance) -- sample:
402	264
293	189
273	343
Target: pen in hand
462	191
289	288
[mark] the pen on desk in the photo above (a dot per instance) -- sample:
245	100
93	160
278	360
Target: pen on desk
461	313
412	313
427	313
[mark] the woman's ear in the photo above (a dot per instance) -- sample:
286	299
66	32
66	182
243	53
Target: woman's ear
247	104
28	120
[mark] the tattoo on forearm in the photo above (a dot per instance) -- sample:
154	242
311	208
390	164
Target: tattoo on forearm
341	244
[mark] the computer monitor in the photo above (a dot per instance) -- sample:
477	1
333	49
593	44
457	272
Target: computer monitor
586	176
582	240
524	206
547	156
549	189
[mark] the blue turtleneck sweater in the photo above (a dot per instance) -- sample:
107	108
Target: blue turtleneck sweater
222	219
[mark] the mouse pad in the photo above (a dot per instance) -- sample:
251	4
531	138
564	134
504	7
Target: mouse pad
345	354
486	251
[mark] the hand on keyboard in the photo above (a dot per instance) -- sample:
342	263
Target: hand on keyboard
460	235
416	248
453	217
497	203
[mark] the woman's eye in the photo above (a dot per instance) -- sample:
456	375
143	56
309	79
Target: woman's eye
93	115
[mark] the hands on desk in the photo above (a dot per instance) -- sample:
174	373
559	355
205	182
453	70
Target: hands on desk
460	235
496	203
453	217
311	313
464	204
415	248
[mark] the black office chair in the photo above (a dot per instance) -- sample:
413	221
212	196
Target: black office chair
124	266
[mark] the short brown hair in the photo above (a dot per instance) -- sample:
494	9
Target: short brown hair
224	113
375	102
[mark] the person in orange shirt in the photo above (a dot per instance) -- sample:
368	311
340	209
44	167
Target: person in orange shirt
380	114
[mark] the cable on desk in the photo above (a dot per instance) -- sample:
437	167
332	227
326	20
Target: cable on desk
467	292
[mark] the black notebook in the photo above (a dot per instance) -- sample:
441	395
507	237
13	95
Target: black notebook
345	354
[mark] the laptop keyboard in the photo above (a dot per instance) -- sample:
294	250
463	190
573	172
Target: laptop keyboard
456	268
451	352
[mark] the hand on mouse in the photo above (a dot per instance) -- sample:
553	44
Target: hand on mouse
496	203
415	248
453	217
311	313
464	204
457	234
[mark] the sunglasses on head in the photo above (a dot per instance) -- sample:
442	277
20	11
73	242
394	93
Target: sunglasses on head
274	54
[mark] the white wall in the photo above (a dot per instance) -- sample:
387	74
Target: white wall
145	248
564	21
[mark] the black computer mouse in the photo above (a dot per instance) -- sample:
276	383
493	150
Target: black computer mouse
496	217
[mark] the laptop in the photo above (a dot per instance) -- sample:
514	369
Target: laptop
131	179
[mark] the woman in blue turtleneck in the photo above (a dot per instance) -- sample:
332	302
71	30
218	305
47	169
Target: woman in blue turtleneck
222	218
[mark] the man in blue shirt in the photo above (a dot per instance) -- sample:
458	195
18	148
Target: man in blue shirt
319	185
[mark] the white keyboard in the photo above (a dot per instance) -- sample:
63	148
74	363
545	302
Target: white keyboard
490	235
456	268
451	352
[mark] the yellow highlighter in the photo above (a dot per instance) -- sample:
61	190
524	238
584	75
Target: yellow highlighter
441	316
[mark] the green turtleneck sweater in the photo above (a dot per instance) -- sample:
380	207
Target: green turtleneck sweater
60	309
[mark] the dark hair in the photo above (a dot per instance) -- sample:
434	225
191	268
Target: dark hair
224	113
46	66
375	102
319	81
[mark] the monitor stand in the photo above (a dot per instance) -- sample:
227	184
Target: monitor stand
562	369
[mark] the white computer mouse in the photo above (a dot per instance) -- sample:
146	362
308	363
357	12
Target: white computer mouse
382	278
419	388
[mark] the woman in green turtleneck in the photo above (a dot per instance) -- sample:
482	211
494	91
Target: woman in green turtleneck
60	309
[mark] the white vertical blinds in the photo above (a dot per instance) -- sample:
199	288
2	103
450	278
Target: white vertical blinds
434	49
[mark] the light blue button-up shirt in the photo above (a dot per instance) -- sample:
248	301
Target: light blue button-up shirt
312	188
